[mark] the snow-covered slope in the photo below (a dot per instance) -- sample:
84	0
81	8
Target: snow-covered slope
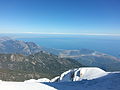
90	79
111	81
24	86
80	74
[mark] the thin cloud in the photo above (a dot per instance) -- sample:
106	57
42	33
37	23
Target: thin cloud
54	33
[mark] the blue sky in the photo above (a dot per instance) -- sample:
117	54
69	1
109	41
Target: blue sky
60	16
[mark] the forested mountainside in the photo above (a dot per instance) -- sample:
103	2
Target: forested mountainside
16	67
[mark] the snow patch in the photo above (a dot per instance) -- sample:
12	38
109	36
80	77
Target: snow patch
55	79
39	80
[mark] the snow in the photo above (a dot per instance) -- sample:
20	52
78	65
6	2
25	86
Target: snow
66	76
107	82
82	73
88	73
55	79
24	86
39	80
91	79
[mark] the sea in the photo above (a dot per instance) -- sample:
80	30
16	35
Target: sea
105	44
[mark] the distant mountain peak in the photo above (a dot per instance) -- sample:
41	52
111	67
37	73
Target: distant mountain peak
5	38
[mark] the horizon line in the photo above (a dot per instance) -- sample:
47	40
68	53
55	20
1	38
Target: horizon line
54	33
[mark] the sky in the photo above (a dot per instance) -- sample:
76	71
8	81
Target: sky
60	16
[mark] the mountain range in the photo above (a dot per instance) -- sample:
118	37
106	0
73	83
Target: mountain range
20	60
84	56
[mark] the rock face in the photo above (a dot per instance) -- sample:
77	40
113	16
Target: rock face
19	67
86	73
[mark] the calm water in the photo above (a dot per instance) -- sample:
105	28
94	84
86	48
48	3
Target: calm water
109	45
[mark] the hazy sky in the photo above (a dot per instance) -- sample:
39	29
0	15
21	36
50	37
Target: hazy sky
60	16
